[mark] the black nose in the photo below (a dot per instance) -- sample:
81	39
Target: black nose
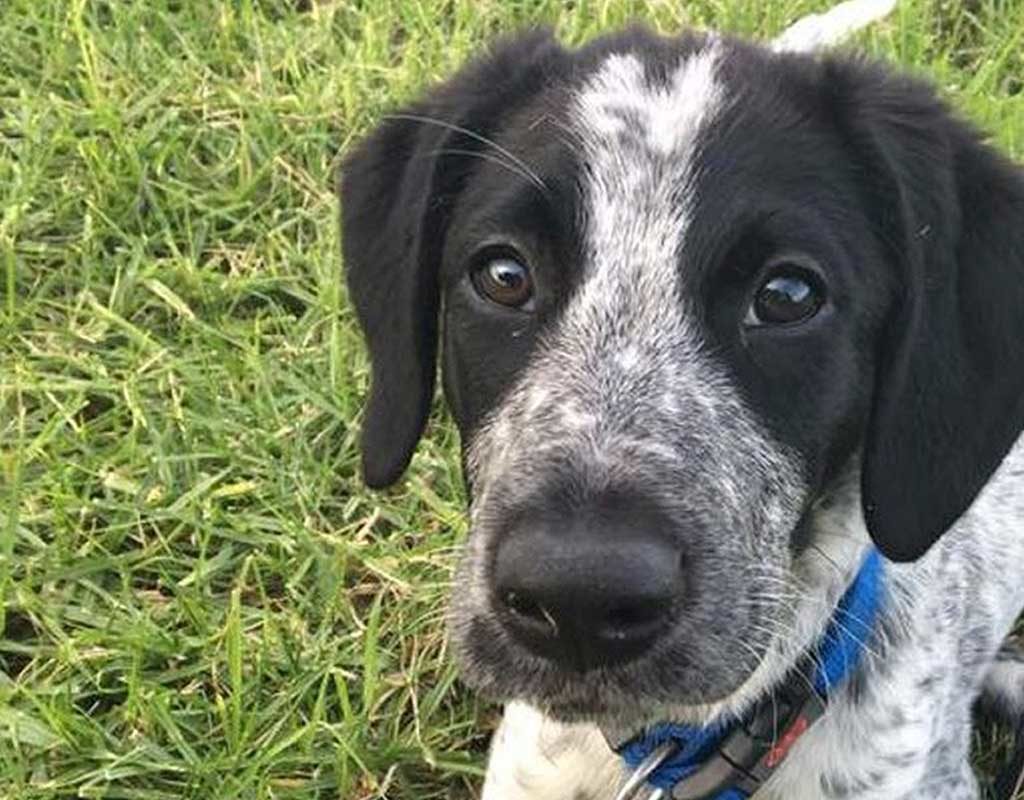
594	588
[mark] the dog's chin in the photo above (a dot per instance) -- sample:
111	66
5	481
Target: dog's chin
673	677
619	715
633	710
615	709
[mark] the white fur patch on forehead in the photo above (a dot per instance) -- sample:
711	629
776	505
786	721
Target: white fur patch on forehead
640	138
620	94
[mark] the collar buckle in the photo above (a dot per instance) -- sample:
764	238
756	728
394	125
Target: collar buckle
757	748
744	760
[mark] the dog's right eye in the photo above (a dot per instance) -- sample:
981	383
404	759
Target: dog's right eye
504	280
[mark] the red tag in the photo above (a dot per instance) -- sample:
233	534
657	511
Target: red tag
786	741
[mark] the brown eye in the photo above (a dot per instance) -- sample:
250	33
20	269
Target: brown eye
790	295
505	281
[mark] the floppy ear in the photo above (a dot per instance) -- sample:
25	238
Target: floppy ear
949	388
397	189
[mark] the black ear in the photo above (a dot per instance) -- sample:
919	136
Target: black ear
397	189
949	390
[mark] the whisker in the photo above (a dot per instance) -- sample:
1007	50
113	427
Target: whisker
501	162
831	561
533	177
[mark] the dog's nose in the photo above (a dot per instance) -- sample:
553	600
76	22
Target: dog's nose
588	592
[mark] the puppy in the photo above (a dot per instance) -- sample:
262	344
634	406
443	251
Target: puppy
734	338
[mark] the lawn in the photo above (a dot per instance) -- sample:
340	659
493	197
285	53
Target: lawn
198	599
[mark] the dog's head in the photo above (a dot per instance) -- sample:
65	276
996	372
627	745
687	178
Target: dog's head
700	304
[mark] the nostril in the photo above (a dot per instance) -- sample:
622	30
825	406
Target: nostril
634	621
633	616
529	611
519	604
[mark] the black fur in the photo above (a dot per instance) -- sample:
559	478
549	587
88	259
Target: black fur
397	189
950	386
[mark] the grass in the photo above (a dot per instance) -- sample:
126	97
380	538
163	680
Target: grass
198	599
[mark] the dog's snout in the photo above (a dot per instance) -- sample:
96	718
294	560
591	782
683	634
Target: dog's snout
589	591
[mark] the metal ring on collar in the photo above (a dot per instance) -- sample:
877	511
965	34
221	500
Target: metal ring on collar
636	781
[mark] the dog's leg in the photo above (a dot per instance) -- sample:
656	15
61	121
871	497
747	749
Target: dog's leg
535	758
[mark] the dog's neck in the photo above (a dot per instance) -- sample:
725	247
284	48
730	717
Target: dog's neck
729	759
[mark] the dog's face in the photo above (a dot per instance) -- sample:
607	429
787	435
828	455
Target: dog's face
692	310
657	357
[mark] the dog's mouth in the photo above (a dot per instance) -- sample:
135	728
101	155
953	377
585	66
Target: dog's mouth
701	662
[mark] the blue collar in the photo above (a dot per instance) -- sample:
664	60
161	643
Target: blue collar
729	760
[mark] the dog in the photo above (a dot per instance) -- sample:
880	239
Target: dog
720	324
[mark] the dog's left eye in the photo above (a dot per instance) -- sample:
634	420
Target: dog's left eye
504	280
790	294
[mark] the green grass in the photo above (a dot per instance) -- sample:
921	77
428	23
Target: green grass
197	597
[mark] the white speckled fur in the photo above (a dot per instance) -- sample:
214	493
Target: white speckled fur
895	744
950	604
